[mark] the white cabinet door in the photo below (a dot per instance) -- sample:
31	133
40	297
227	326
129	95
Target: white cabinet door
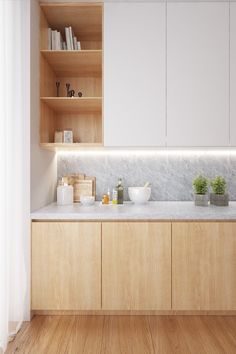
134	74
198	74
233	74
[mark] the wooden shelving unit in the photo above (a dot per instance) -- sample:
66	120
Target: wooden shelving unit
81	68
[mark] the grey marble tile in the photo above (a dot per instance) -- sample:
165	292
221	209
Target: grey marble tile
170	175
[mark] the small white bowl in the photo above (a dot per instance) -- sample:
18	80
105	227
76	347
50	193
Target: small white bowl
139	195
87	200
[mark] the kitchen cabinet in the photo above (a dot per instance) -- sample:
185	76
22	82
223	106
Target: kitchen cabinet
204	266
233	74
136	266
66	266
134	74
198	74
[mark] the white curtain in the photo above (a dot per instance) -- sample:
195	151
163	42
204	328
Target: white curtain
14	164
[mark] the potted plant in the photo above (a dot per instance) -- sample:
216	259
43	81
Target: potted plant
219	196
200	187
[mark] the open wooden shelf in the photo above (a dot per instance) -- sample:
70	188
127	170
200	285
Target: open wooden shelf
85	19
74	146
79	105
82	69
74	62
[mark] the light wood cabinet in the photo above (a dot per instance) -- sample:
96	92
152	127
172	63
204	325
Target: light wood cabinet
204	266
198	74
134	74
136	266
66	266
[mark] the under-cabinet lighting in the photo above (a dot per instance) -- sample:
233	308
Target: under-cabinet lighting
149	152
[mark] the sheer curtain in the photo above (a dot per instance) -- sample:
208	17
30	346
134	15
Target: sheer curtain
14	163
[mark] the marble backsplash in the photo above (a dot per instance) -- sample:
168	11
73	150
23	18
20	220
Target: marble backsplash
170	173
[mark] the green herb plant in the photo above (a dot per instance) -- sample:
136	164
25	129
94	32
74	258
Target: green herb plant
219	185
200	185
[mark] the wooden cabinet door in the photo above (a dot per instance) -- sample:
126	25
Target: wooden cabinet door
134	74
204	266
66	266
198	74
136	266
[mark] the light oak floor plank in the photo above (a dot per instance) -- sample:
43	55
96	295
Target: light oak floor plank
126	335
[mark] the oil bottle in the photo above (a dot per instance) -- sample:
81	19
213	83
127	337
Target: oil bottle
120	192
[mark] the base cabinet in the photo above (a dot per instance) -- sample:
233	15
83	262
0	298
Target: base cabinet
136	266
125	266
204	266
66	266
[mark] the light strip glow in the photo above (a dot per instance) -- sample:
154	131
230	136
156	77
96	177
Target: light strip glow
149	152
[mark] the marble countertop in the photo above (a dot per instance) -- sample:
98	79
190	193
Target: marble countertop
129	211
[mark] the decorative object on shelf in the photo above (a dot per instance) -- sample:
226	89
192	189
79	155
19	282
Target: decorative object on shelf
68	136
219	196
58	137
200	187
80	94
58	86
83	185
70	93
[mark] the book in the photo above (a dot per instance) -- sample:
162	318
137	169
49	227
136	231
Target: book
71	38
78	45
64	47
75	42
67	35
54	40
49	38
58	41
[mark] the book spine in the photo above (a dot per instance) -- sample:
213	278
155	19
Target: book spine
49	39
71	38
78	45
67	34
54	35
75	43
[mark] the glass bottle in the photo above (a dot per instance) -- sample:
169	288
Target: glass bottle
120	192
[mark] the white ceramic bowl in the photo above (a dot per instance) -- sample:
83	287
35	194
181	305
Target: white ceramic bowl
87	200
139	195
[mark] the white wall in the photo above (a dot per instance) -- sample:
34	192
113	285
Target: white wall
43	163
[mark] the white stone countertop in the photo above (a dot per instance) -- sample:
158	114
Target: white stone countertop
129	211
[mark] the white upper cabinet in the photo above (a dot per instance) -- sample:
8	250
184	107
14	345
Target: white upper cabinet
233	74
198	74
134	74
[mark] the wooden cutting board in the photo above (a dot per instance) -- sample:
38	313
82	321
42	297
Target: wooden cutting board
83	185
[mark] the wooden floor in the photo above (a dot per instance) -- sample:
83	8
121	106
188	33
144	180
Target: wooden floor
127	335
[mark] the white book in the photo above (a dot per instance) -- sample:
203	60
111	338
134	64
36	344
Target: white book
49	38
64	45
61	41
67	34
71	37
78	45
54	40
58	43
75	42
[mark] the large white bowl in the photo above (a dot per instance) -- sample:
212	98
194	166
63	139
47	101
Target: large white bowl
87	200
139	195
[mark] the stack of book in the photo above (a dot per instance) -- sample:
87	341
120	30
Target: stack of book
56	42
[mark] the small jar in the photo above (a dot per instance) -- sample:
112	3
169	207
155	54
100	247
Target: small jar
105	199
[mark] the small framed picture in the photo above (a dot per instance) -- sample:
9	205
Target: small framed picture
68	136
58	137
